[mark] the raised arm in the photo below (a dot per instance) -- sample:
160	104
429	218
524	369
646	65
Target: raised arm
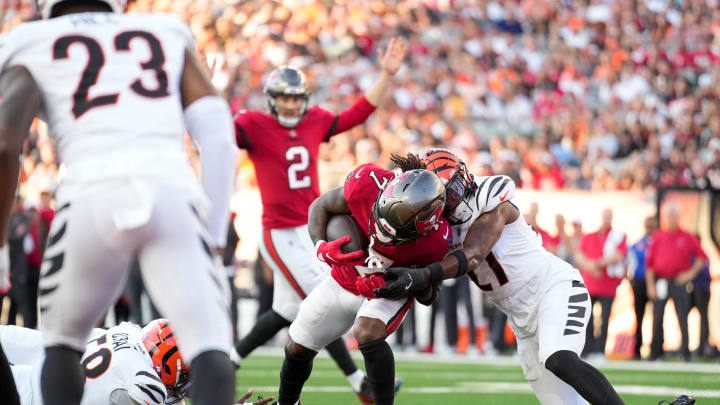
481	237
390	62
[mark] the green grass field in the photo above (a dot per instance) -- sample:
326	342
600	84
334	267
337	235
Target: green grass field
484	381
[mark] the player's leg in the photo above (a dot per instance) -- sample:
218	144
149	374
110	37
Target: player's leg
84	272
376	320
190	289
324	316
563	312
290	263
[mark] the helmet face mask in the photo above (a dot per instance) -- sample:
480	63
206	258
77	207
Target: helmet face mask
408	207
459	183
286	81
45	7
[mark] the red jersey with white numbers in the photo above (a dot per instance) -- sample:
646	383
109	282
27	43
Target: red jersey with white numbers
361	190
286	159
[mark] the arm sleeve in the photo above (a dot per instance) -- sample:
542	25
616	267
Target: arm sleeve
355	115
209	122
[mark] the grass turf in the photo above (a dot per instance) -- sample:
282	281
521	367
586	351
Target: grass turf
436	382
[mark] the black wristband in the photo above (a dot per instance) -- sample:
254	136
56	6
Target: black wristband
436	273
462	262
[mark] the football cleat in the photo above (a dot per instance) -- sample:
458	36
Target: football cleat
365	394
681	400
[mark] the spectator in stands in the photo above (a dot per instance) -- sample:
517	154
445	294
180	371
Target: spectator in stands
636	267
674	258
600	259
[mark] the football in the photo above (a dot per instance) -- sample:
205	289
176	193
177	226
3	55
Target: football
345	225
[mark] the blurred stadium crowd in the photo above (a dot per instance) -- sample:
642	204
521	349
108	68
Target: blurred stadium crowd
599	95
590	95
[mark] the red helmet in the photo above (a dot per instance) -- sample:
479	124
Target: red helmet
160	342
459	184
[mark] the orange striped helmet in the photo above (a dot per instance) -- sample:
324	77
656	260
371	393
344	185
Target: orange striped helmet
459	184
160	342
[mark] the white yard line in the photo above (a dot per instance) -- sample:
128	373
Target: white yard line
517	388
512	361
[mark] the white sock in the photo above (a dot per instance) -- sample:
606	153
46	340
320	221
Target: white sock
356	379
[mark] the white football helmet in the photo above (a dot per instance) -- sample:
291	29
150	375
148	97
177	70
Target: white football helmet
45	6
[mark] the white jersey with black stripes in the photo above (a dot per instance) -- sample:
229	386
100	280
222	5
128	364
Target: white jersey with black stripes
518	256
114	359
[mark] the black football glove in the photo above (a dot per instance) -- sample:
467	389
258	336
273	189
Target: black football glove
403	282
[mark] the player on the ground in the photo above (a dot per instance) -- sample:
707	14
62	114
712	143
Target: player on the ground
402	217
123	365
544	297
115	90
283	145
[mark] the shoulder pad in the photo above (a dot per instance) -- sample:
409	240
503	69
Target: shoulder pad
493	190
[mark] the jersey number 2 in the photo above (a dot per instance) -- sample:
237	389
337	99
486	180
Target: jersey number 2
82	102
294	181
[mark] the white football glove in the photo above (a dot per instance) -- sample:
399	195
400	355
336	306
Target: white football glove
5	269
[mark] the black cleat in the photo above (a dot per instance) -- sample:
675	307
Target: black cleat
681	400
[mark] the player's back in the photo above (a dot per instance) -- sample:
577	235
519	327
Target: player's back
110	85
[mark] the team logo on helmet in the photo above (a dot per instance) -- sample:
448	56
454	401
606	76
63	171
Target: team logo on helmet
408	207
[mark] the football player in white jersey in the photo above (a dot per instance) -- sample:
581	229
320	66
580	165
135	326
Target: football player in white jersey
123	365
544	297
115	90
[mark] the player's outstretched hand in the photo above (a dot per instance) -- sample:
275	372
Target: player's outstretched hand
405	281
5	285
393	57
261	401
331	252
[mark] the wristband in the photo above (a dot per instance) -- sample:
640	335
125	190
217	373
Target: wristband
462	262
318	243
436	273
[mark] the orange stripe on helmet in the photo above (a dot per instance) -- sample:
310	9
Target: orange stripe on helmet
443	162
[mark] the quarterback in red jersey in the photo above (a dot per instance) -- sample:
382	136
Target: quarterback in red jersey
283	145
402	217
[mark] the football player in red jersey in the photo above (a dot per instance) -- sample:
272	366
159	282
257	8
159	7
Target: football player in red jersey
283	145
402	217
